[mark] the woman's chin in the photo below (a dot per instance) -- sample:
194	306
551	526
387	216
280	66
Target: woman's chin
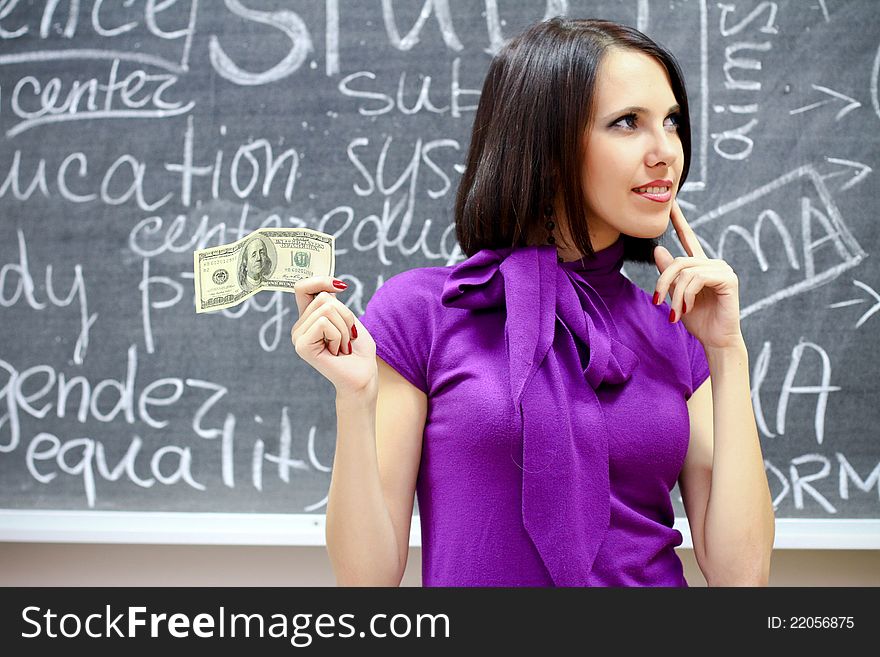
661	226
649	232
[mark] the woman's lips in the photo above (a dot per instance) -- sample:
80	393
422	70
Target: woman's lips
657	198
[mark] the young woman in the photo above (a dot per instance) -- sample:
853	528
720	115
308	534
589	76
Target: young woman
541	404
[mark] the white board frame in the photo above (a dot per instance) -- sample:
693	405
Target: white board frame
137	527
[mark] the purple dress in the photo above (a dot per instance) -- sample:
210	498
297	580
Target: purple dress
557	419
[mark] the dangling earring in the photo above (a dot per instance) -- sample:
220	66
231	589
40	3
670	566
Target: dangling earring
548	211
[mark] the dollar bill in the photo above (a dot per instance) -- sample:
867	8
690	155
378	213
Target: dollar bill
267	259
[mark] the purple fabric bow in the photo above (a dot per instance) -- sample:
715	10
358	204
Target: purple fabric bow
565	489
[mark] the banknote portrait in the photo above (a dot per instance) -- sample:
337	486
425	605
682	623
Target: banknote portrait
256	262
266	259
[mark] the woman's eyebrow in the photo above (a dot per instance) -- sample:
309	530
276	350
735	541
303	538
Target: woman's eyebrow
632	109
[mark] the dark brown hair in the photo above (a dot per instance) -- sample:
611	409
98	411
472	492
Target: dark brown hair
536	102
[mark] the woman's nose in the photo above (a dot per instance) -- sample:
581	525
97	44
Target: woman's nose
664	148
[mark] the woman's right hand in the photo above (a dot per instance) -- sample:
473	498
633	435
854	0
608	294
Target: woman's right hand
322	336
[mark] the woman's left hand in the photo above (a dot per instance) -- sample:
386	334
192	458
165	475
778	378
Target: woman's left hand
704	291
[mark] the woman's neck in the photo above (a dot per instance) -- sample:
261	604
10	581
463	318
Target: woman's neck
563	243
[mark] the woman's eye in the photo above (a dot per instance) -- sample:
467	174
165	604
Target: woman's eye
629	120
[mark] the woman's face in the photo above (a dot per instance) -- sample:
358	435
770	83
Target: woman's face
627	148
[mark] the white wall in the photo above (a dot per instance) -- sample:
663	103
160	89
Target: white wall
69	564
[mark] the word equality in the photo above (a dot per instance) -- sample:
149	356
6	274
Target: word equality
161	446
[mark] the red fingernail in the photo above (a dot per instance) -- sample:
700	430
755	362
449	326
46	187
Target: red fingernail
349	348
684	307
339	284
672	315
656	297
354	332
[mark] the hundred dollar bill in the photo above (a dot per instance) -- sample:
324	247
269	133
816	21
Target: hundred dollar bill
267	259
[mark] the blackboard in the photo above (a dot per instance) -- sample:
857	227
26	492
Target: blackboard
135	132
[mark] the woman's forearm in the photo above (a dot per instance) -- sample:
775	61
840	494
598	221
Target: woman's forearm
360	535
740	524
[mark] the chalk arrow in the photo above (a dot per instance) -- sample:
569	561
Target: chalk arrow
853	103
862	170
852	302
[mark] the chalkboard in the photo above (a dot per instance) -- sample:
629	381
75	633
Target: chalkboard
136	132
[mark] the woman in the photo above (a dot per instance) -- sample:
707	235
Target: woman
541	404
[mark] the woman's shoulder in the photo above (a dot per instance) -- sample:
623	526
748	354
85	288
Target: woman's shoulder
404	316
421	275
417	285
412	297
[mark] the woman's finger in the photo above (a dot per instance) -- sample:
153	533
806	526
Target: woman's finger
690	292
324	299
665	282
686	234
682	281
307	289
319	331
334	329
